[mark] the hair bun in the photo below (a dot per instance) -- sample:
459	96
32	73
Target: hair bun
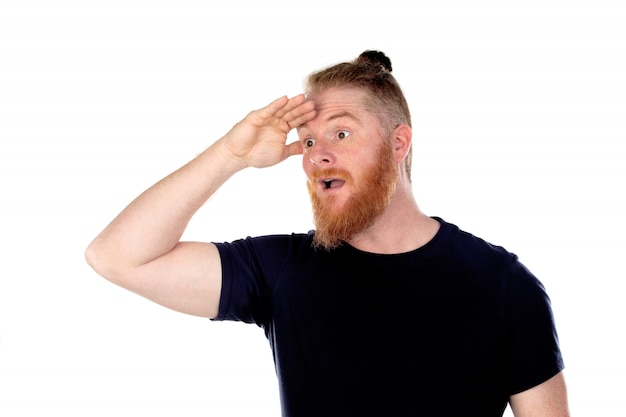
375	57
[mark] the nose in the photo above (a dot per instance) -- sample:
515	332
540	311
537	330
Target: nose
320	155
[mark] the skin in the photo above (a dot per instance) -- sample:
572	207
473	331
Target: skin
141	250
394	230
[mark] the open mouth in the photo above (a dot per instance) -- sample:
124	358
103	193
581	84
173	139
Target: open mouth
327	184
329	180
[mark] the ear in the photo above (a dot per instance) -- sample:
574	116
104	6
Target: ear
401	140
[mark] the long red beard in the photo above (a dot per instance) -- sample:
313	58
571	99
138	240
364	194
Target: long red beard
372	195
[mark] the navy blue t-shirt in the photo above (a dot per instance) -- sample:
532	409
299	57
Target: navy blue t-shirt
450	329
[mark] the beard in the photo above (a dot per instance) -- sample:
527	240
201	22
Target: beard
371	197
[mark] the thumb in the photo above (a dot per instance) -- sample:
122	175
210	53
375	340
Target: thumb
295	148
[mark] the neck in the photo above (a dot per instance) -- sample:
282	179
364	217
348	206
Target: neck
401	228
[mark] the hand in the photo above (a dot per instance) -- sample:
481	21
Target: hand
259	140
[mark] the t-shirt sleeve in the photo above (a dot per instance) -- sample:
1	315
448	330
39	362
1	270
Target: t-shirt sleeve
242	291
249	269
535	351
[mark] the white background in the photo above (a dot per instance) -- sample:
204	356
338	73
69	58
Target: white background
519	124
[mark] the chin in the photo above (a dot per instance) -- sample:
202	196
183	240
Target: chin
334	205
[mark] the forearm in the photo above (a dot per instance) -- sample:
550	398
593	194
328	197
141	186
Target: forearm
154	222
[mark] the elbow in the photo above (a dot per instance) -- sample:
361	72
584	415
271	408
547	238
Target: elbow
107	261
93	256
100	261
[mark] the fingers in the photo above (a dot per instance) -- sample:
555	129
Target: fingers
274	107
289	112
279	107
300	115
297	111
290	105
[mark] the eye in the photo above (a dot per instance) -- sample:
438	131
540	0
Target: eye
342	134
308	143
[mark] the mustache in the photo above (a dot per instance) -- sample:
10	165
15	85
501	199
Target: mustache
335	173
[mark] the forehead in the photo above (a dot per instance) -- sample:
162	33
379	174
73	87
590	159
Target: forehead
338	102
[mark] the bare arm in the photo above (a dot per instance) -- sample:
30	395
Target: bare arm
548	399
140	249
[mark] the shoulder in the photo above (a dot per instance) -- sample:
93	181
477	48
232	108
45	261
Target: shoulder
470	249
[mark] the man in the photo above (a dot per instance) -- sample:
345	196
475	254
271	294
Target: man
382	310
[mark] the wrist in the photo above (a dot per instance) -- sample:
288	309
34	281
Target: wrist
230	162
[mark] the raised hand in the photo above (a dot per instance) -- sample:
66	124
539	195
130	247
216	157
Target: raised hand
259	140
